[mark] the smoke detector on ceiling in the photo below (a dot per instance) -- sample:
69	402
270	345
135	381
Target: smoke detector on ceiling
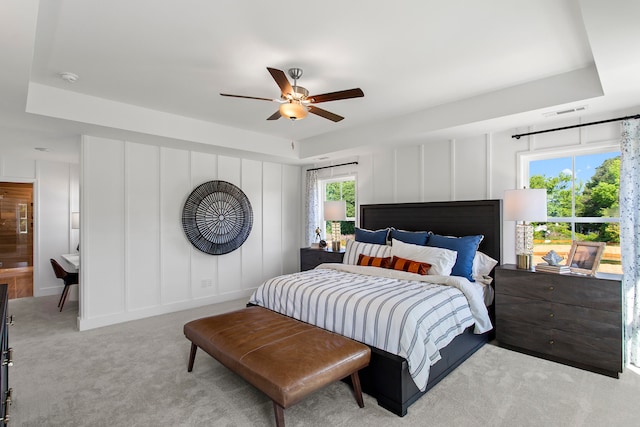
69	77
566	111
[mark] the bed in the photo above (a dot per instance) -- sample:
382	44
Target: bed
394	380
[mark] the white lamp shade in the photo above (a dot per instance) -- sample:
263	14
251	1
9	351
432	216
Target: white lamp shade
335	210
528	204
75	220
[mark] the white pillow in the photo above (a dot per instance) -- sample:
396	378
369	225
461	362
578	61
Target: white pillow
482	264
441	260
354	249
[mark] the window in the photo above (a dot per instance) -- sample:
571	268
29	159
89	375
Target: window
582	203
343	188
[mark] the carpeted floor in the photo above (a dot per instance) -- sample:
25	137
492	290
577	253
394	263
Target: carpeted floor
134	374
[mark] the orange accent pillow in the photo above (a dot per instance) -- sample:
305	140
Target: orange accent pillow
403	264
373	261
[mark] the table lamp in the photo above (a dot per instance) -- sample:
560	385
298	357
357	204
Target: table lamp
335	211
525	205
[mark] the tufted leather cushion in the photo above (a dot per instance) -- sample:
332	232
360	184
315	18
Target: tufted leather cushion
284	358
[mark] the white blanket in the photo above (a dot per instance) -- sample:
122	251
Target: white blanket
402	313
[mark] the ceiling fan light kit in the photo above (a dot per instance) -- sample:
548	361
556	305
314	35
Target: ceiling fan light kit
293	110
295	100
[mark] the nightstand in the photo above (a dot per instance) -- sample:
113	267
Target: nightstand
568	318
310	258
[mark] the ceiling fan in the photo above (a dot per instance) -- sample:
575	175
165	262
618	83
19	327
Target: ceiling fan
295	101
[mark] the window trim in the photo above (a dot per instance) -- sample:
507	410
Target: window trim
522	175
322	183
524	157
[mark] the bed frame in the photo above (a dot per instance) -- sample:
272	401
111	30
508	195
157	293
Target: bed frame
387	378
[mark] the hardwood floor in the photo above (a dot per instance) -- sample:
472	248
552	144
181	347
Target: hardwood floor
20	281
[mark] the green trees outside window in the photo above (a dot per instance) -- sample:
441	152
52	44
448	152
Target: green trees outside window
582	202
343	190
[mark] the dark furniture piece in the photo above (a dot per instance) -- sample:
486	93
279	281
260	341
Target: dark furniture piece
310	258
68	279
7	359
568	318
284	358
387	377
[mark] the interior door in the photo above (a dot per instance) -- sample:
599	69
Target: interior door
16	238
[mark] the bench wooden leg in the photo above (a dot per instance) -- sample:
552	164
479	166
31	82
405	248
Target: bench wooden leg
279	411
192	357
357	390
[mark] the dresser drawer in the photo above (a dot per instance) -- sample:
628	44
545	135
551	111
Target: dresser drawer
550	315
567	289
598	352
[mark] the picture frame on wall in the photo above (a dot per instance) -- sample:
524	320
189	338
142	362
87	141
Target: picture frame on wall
584	257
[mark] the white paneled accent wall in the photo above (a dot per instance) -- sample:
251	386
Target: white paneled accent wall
143	244
137	262
475	168
272	227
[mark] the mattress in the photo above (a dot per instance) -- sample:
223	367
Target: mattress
405	314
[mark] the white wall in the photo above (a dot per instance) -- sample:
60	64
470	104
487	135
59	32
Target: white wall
135	259
56	191
480	167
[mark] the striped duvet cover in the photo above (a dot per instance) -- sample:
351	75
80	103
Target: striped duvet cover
402	313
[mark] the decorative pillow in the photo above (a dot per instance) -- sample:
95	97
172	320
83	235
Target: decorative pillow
441	260
482	264
409	266
354	249
465	246
413	237
372	261
377	237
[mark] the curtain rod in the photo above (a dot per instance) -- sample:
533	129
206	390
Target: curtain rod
637	116
333	166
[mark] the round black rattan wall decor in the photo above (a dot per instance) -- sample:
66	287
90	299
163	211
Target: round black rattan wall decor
217	217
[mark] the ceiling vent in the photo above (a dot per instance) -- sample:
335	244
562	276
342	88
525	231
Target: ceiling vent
566	111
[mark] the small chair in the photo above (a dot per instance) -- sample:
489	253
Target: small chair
68	278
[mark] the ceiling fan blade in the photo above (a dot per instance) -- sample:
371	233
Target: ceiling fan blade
334	96
324	113
248	97
274	116
281	79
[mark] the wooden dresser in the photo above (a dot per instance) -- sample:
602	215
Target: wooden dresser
310	258
568	318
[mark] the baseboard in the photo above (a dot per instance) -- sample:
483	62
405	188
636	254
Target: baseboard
112	319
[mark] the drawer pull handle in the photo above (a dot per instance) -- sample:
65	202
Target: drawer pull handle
550	314
7	404
550	288
8	357
551	342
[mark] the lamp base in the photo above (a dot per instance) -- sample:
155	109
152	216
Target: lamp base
335	246
524	262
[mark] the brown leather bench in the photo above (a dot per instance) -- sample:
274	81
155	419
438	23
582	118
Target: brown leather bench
284	358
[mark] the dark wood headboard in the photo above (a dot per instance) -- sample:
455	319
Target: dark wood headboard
460	218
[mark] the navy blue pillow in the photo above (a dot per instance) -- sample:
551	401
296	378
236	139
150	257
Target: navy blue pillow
377	237
412	237
465	246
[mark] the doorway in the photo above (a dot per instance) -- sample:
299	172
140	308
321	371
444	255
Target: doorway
16	238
